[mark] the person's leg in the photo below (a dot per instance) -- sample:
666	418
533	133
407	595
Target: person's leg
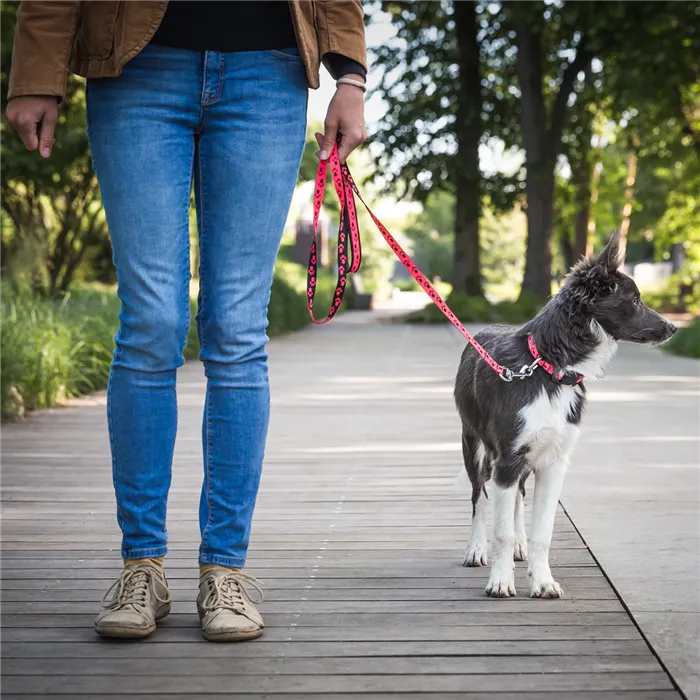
248	156
141	128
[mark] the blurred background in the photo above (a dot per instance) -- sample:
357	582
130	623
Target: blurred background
506	140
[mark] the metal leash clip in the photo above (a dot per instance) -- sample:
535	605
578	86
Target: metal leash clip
525	371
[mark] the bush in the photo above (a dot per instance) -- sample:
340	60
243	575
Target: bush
52	350
479	310
686	342
406	285
679	294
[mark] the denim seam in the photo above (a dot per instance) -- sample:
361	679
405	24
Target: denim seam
219	89
222	70
207	418
110	430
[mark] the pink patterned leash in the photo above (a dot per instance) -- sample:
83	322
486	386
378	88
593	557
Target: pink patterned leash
349	259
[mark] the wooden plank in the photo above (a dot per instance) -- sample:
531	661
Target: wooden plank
554	695
329	665
323	684
55	630
443	612
194	649
280	592
288	585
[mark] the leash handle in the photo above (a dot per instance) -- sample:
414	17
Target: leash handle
345	188
349	251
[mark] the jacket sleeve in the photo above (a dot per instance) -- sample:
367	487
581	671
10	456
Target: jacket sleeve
43	41
341	30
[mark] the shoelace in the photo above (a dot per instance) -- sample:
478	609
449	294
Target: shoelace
228	592
131	588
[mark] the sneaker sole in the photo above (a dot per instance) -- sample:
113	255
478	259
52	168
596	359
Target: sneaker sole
124	632
130	632
233	636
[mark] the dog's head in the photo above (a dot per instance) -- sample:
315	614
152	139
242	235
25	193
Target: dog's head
608	296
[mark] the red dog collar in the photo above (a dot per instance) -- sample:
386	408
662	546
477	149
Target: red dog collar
561	377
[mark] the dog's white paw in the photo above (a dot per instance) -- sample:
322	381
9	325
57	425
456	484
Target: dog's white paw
520	548
546	589
476	555
501	588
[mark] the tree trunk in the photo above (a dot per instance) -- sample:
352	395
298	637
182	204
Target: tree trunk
539	190
581	174
466	272
542	143
466	275
567	251
539	183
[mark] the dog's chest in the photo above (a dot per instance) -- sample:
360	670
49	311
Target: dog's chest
547	430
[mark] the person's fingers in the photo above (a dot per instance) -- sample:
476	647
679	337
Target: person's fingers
47	128
329	137
27	129
24	122
352	138
34	118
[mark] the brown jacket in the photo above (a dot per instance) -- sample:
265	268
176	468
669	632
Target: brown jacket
95	38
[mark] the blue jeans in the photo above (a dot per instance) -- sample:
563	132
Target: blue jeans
235	124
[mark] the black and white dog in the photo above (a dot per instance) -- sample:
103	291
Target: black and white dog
510	429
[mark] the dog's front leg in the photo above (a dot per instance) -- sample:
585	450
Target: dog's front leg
502	580
548	484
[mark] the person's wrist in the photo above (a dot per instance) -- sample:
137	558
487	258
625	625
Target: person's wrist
351	81
354	76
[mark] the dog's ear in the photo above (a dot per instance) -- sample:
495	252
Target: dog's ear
612	257
592	278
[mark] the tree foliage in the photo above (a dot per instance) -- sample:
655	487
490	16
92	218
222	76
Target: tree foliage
578	88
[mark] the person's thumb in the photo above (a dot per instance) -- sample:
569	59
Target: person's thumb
47	130
329	139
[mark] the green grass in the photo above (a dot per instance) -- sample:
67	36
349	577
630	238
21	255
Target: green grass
51	351
686	342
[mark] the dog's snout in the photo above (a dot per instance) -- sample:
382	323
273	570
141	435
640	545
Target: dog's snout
671	329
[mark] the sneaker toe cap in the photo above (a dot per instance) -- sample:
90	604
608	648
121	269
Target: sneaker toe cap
226	622
124	620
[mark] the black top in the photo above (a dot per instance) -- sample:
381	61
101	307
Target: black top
237	25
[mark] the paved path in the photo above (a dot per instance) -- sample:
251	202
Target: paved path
358	536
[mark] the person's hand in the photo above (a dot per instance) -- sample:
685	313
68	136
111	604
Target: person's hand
346	116
34	118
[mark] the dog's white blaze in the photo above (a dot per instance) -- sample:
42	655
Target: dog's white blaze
546	431
594	366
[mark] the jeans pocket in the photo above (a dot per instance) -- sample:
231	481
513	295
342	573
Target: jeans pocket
287	55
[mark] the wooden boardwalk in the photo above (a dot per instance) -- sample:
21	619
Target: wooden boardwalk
358	539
